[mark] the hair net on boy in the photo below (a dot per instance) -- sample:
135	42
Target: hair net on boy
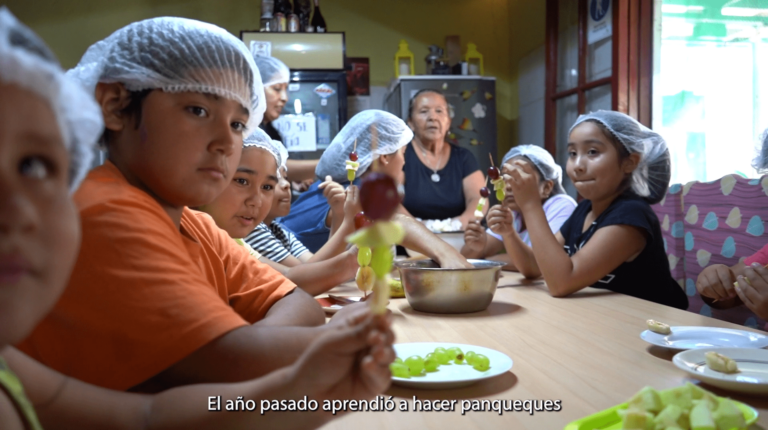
272	70
27	62
651	177
283	154
260	139
391	134
760	163
176	55
542	159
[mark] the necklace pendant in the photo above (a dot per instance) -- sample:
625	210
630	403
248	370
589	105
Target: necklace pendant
435	177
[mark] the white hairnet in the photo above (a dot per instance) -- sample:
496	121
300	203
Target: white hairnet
542	159
760	163
27	62
176	55
272	70
283	154
260	139
651	177
392	134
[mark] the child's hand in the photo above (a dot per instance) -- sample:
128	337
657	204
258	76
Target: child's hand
349	361
335	194
352	204
500	220
754	293
524	182
716	282
474	238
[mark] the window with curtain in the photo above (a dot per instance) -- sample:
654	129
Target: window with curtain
710	86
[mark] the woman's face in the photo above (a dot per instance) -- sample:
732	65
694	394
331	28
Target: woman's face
545	187
277	97
247	200
593	162
430	120
39	224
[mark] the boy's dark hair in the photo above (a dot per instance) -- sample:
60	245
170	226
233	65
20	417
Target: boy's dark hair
133	110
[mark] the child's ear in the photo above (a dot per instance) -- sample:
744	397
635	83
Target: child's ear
112	98
547	191
384	159
630	163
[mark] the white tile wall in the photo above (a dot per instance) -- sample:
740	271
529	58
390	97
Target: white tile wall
531	84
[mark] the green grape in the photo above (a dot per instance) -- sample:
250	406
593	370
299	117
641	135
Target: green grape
399	360
482	363
364	256
500	195
441	356
430	363
454	352
351	175
439	349
381	261
470	356
400	370
415	365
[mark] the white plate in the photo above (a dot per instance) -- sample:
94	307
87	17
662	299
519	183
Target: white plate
753	369
450	375
691	337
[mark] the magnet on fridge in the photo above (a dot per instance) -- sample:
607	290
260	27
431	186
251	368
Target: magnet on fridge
324	102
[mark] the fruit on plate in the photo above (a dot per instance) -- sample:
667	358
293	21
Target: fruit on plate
396	288
658	327
686	407
417	366
720	363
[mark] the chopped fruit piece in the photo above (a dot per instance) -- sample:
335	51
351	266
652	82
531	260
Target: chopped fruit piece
493	172
658	327
353	156
720	363
364	256
362	221
485	192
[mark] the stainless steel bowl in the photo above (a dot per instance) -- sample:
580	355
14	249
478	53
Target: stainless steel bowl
429	288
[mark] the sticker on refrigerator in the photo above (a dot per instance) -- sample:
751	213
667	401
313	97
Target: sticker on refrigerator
324	91
478	110
261	48
323	130
294	86
324	102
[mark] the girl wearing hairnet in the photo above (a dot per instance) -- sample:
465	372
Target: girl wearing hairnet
275	75
49	128
154	278
724	287
243	211
613	238
506	225
377	136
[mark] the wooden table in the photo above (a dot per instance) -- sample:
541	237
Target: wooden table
584	350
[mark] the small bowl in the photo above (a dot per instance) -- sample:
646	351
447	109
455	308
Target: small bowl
432	289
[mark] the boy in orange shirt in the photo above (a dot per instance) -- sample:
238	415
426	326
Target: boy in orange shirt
48	126
159	295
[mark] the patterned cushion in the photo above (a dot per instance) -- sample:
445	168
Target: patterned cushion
670	213
723	223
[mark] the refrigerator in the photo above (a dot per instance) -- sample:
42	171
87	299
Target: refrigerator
471	105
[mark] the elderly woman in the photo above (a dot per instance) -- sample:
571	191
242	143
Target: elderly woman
558	207
441	180
275	75
310	217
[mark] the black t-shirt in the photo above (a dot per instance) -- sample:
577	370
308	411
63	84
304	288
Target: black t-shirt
647	276
426	199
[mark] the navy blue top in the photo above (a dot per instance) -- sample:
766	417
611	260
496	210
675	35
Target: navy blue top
426	199
307	217
647	276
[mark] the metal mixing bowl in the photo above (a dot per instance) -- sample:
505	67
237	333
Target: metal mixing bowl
429	288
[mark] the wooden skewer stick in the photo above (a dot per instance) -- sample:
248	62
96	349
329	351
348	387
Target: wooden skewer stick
354	148
491	157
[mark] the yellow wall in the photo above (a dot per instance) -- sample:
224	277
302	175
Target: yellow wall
504	31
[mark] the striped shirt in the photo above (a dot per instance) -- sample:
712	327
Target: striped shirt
275	242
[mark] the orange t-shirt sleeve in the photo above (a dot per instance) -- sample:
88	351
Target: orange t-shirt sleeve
251	286
136	303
